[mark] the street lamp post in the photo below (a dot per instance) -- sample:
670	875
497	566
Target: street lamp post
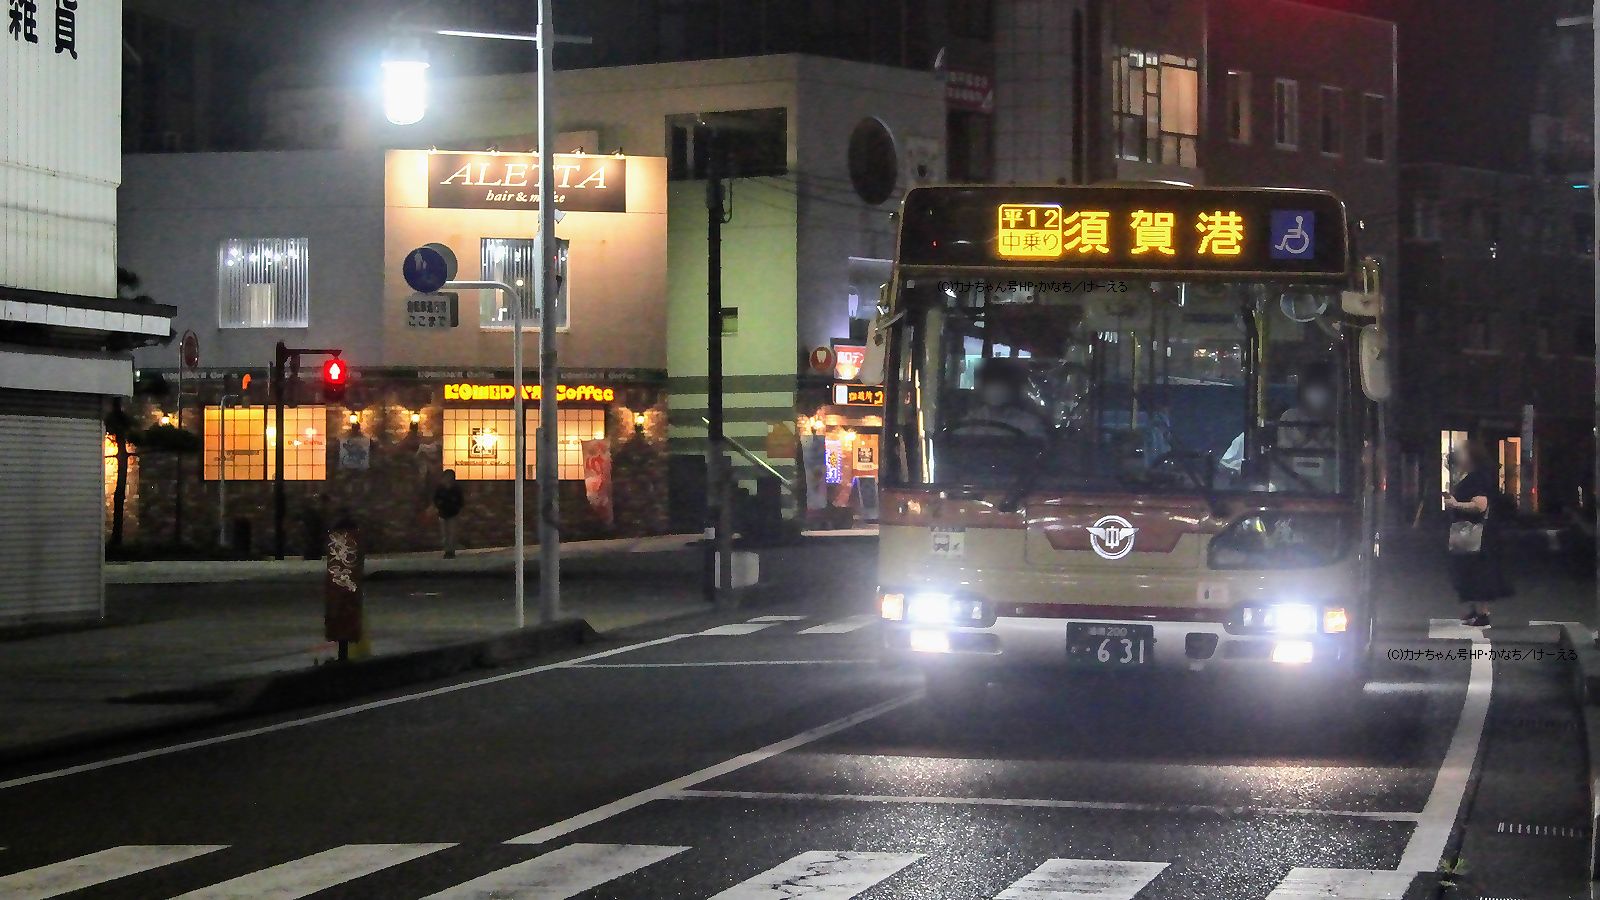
405	103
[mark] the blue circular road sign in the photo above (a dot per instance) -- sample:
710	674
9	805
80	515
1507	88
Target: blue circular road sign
427	268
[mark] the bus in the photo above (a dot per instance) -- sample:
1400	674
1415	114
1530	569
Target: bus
1127	428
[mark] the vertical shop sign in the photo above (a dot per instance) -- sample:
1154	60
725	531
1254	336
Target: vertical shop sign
597	479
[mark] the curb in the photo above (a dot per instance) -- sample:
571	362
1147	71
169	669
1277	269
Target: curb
1586	691
331	683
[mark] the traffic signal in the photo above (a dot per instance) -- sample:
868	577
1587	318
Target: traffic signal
335	378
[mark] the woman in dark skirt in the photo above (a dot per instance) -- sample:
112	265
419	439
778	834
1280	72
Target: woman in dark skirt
1476	576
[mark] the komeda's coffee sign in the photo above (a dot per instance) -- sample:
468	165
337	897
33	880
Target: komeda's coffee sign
511	181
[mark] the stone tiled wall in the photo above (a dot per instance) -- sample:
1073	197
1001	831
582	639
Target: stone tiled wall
392	499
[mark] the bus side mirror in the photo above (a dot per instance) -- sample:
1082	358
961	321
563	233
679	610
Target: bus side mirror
1367	302
875	361
1376	382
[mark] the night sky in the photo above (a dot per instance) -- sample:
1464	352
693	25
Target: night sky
1468	72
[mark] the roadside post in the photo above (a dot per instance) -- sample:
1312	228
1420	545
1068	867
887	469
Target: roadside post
342	589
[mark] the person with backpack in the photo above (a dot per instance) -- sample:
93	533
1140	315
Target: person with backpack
448	501
1474	513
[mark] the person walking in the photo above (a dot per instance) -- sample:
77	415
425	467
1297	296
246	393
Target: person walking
1474	563
448	501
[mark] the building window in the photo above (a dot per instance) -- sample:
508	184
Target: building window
1375	126
1157	108
1332	121
751	143
262	283
247	444
1583	337
1238	87
972	19
480	442
512	261
1286	113
1542	342
1480	334
1425	219
971	142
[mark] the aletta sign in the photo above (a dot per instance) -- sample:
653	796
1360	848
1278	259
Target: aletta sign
511	181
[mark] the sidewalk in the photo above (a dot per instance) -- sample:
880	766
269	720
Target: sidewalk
497	559
165	647
1414	586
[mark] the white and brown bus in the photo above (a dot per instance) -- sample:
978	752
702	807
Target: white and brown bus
1127	428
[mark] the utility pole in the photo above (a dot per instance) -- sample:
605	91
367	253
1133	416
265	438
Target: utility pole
548	460
719	506
279	502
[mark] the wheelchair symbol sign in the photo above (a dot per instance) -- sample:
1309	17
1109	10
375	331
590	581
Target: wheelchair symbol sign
1294	234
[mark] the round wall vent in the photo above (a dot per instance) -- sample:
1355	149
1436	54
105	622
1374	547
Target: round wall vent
874	164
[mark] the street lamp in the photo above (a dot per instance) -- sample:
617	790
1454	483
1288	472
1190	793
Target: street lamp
405	82
405	103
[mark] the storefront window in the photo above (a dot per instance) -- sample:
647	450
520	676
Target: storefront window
480	442
246	445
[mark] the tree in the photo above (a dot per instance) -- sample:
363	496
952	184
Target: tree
119	425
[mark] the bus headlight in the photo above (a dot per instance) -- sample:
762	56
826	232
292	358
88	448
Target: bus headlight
1293	618
1280	540
932	608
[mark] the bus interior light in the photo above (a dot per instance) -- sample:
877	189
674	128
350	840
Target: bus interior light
1291	653
926	641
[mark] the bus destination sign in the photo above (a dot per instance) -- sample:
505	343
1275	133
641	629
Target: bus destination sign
1194	231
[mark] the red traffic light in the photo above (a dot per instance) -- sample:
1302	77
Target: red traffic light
335	373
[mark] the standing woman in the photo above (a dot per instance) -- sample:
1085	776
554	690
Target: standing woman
1474	564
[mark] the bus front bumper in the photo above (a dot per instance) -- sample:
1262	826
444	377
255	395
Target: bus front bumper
1167	646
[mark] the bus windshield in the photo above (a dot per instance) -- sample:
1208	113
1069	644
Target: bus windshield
1121	385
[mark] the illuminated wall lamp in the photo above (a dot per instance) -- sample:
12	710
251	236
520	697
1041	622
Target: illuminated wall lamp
638	423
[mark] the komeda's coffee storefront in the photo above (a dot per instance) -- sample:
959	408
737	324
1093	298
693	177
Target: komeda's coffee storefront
442	399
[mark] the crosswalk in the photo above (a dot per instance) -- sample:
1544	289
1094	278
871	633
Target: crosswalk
784	624
571	870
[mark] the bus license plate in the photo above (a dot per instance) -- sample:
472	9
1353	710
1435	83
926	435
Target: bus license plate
1109	646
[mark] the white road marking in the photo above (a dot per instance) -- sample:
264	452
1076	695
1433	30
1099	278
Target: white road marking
1342	884
1083	879
711	664
821	875
736	628
1426	847
1453	630
328	716
1385	816
561	873
842	626
317	872
780	618
667	789
96	868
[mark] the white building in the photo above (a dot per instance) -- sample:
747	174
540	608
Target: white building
65	336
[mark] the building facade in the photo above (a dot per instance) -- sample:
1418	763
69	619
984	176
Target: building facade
65	333
307	249
1499	326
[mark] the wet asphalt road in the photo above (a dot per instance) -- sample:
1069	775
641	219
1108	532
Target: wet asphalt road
771	759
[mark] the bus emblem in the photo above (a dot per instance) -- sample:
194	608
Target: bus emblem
1112	537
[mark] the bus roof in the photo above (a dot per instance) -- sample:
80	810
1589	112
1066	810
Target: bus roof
1142	230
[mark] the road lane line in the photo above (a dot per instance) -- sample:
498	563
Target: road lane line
780	618
328	716
821	875
1424	851
842	626
1083	879
668	788
97	868
1342	884
735	629
1383	815
560	874
711	664
317	872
